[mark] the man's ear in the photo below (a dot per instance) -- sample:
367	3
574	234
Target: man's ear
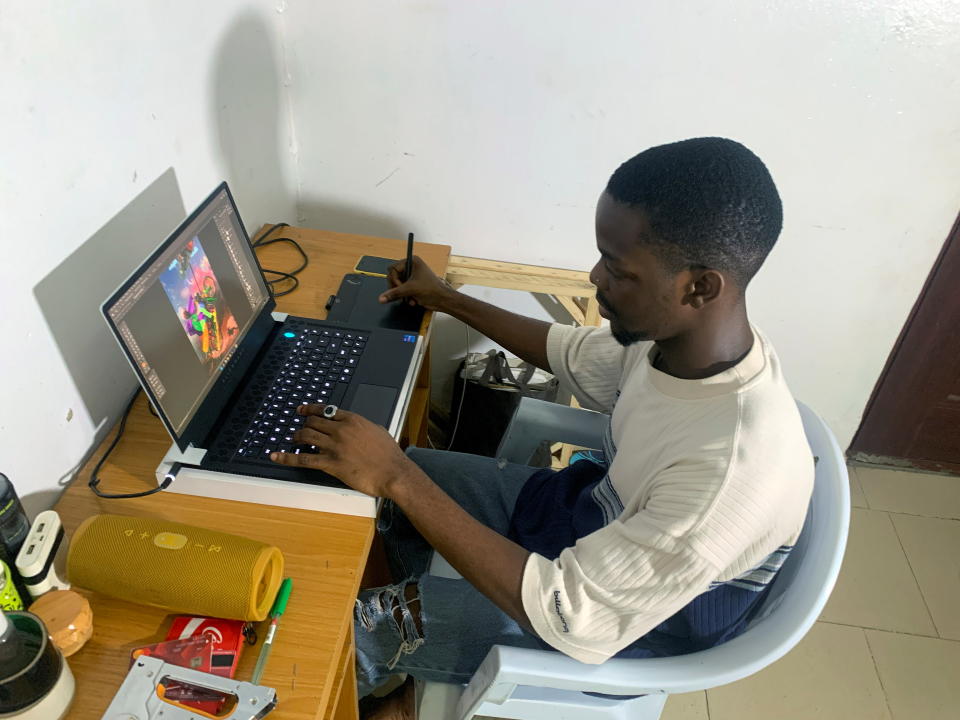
702	287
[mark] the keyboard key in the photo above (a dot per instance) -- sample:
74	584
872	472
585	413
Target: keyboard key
355	352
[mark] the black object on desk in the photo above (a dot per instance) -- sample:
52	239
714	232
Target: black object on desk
358	303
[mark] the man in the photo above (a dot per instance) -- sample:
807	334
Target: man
670	544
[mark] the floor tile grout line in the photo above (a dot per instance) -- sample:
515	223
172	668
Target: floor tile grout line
915	579
876	669
863	494
922	517
892	632
911	514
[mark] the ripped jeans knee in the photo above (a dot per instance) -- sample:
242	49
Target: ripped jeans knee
382	606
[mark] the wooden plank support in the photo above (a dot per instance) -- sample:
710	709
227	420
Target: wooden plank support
515	276
579	317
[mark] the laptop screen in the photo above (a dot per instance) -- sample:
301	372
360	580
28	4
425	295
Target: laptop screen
183	314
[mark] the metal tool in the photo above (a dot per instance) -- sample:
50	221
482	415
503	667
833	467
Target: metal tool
141	697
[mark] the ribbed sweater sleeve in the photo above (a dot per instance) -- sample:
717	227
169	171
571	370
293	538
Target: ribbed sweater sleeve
588	361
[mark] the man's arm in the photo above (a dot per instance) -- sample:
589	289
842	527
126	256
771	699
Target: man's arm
522	336
367	459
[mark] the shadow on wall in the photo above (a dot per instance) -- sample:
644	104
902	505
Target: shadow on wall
247	107
70	296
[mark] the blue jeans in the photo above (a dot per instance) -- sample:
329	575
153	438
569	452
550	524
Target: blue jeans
459	623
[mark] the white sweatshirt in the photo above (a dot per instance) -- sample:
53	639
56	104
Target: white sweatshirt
708	478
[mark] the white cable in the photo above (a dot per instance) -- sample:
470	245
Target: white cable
463	390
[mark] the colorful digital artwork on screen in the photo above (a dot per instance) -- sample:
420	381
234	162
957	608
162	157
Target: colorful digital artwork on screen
195	295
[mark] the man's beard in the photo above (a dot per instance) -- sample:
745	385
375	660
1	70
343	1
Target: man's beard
622	336
626	337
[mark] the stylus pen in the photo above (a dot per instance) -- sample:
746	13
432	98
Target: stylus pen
408	268
279	605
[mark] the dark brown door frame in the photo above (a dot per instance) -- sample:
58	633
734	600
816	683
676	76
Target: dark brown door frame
891	420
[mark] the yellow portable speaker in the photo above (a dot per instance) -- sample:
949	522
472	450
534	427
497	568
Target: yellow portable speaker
179	567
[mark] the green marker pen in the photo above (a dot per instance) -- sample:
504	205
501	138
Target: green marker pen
279	605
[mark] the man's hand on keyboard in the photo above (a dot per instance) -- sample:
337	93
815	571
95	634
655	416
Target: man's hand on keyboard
358	452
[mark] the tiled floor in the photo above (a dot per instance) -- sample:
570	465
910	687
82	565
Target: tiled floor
887	646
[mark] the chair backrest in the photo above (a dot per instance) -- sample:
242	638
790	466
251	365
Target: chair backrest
829	508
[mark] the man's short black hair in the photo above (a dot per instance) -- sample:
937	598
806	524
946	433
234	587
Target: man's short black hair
710	202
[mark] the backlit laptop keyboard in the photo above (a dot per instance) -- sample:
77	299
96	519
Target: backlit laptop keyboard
317	370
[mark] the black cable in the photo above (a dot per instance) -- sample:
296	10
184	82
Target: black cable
284	276
94	476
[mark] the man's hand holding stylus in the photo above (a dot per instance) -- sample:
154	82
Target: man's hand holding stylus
423	287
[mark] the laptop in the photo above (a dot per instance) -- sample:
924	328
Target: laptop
225	371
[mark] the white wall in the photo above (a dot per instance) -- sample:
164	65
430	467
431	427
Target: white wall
115	117
490	126
494	126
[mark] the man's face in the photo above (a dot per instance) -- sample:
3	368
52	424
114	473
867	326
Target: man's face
637	295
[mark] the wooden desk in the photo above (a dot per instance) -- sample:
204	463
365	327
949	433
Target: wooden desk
311	665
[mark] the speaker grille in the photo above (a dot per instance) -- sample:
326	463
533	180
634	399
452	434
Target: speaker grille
175	566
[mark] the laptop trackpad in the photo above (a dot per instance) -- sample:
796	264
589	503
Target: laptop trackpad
375	403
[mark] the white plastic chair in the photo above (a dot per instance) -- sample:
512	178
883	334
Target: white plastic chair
544	685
